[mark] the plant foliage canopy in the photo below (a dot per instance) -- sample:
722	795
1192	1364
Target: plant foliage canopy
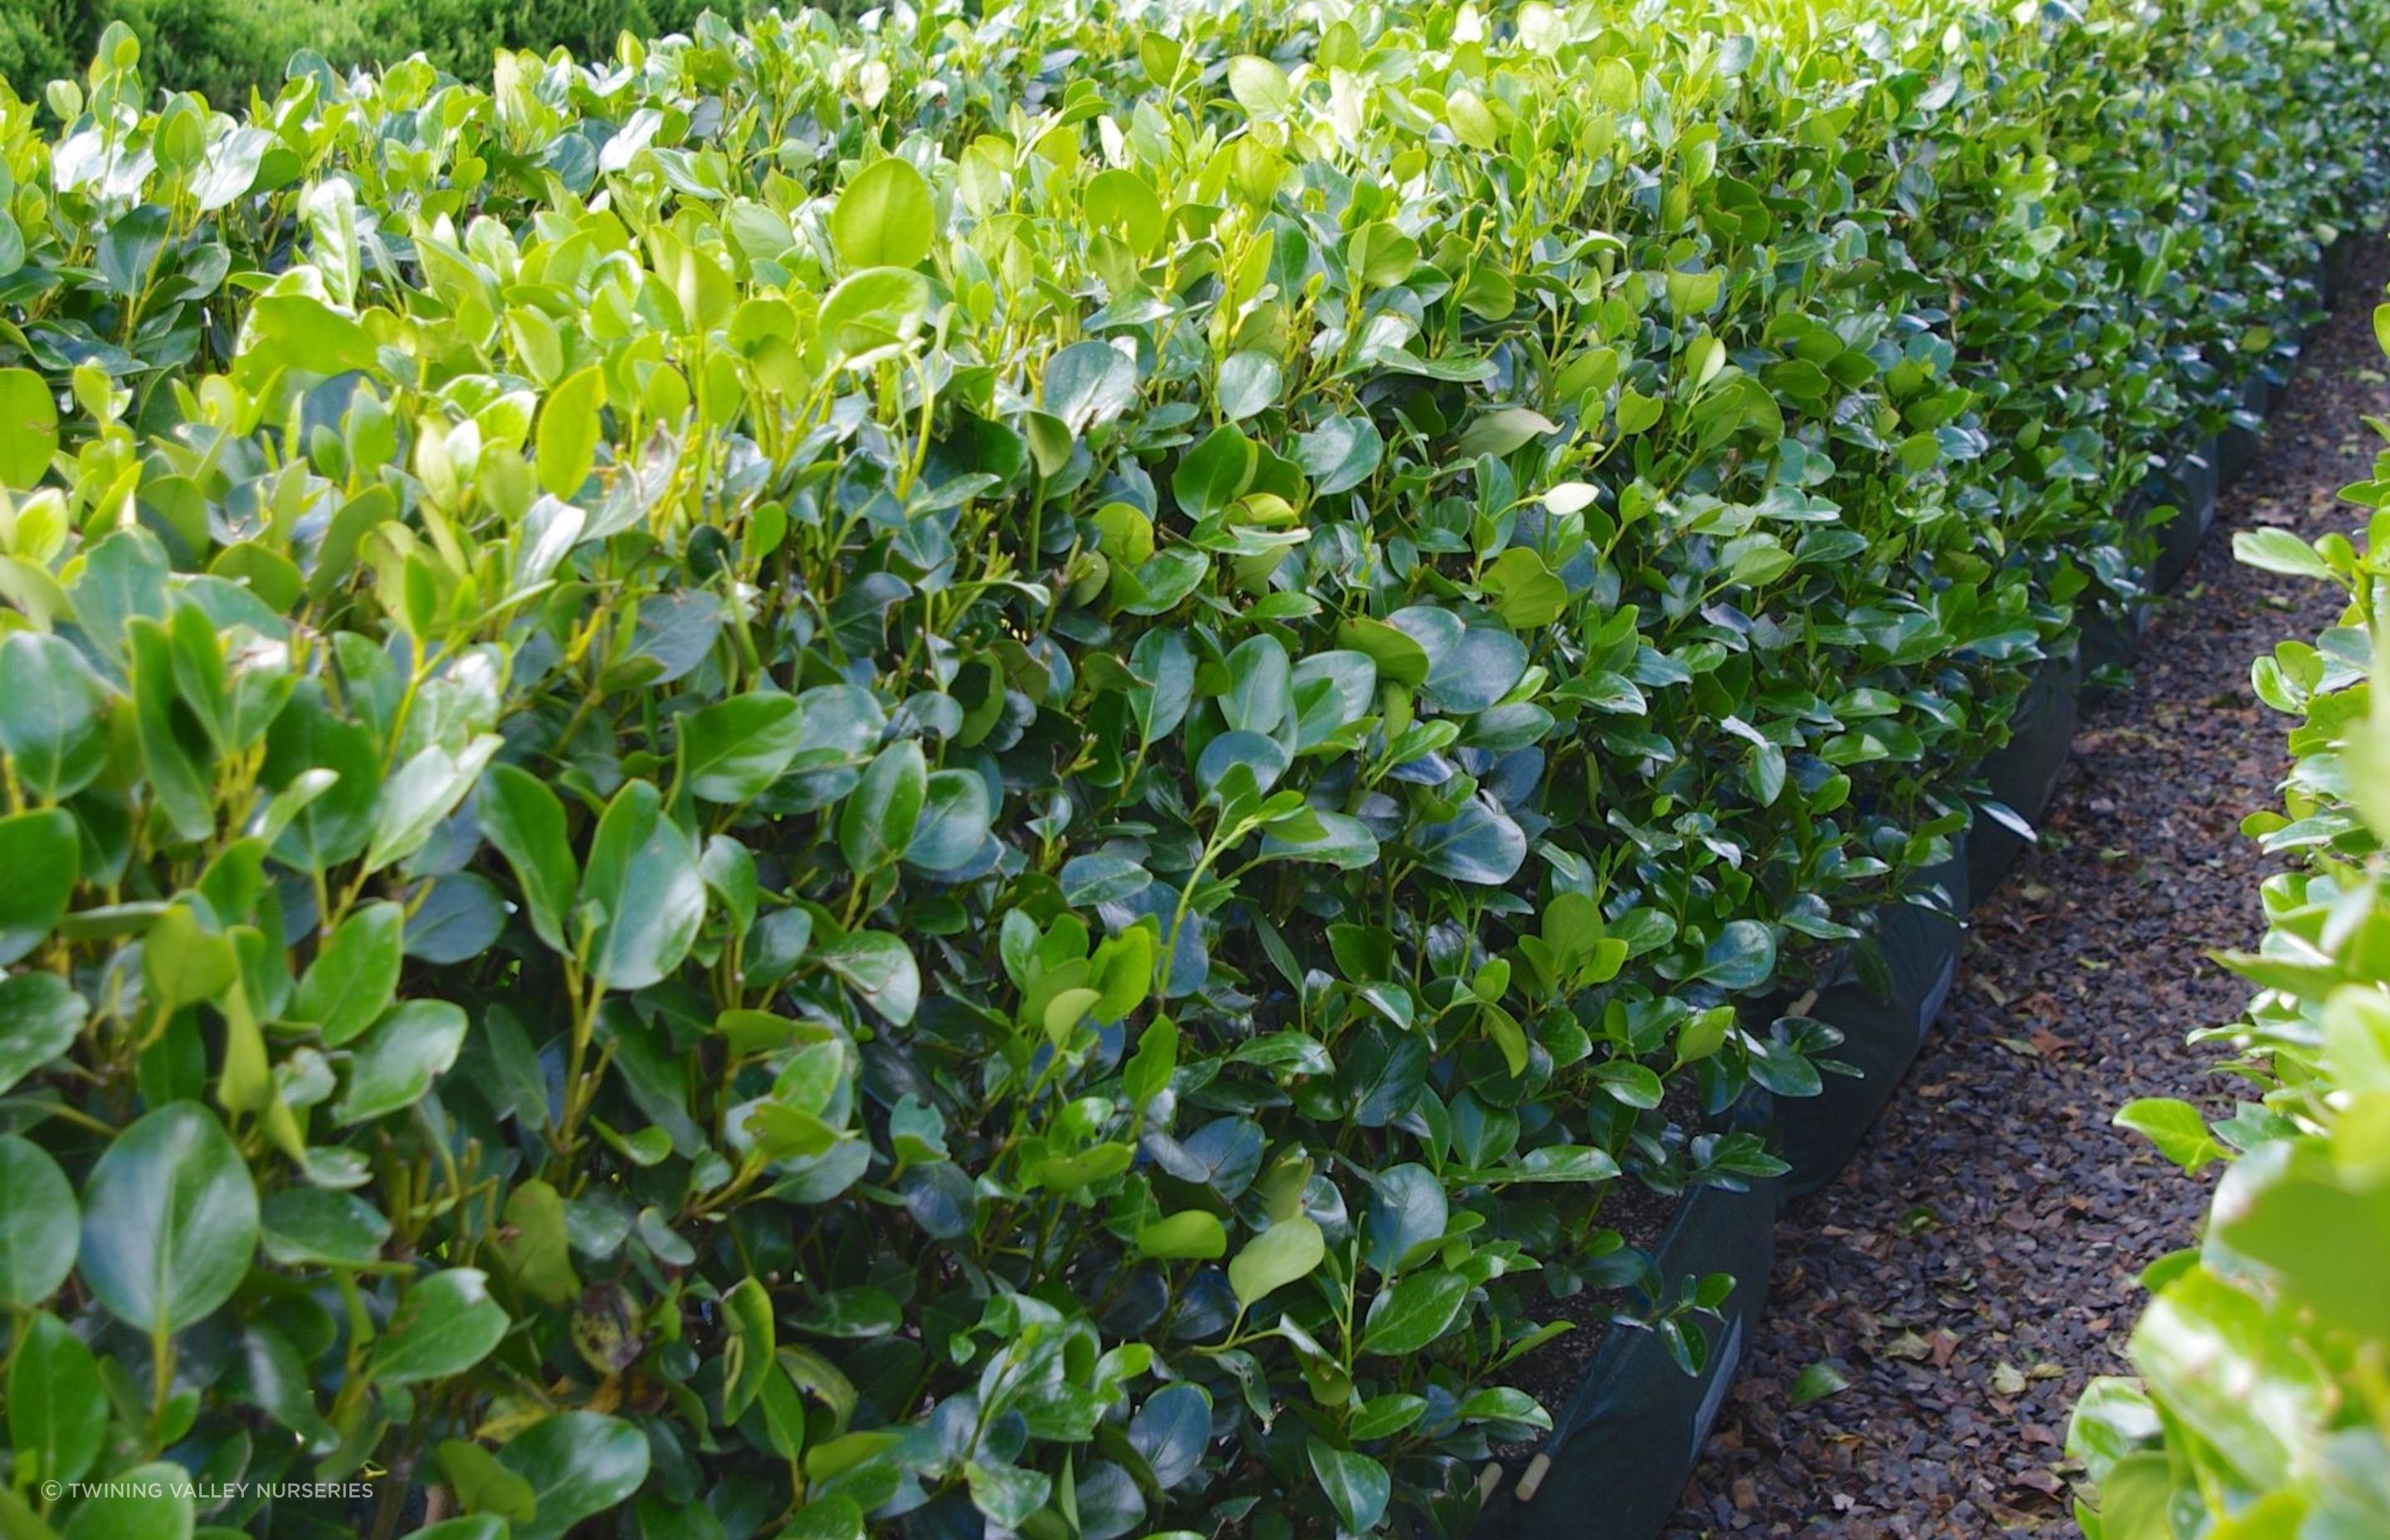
977	776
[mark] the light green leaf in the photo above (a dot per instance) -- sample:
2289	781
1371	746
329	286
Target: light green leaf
1192	1234
1260	87
2277	550
2175	1127
569	429
1289	1250
29	427
885	217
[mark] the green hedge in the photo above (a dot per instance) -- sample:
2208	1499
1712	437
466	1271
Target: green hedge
2259	1410
223	49
985	775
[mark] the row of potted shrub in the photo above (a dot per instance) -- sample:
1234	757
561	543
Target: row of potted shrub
1624	1447
989	775
2257	1408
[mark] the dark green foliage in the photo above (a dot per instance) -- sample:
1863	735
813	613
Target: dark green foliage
223	48
38	42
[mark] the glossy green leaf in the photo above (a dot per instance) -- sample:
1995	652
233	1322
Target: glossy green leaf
412	1044
1089	384
641	896
525	822
877	967
39	1225
147	1502
876	826
578	1464
1356	1485
40	854
50	715
353	978
40	1019
169	1220
1415	1311
446	1324
956	817
58	1413
733	750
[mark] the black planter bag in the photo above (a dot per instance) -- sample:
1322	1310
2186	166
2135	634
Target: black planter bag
1882	1032
2237	446
2191	485
2023	775
2111	635
2338	258
1625	1447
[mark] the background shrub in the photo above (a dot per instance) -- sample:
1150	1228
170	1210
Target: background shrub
224	48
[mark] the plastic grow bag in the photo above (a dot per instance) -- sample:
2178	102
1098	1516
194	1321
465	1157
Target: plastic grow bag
2111	635
2022	776
1882	1032
2237	446
2190	484
1621	1451
2338	258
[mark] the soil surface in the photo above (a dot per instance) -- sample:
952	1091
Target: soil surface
1553	1373
1976	1262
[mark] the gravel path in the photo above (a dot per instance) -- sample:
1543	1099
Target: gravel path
1976	1262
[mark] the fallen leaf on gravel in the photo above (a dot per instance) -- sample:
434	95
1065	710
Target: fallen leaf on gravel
1908	1345
2007	1381
1817	1382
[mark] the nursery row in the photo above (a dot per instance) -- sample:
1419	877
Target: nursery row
1035	774
2260	1405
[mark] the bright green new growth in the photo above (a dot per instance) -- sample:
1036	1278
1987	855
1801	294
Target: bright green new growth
983	771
